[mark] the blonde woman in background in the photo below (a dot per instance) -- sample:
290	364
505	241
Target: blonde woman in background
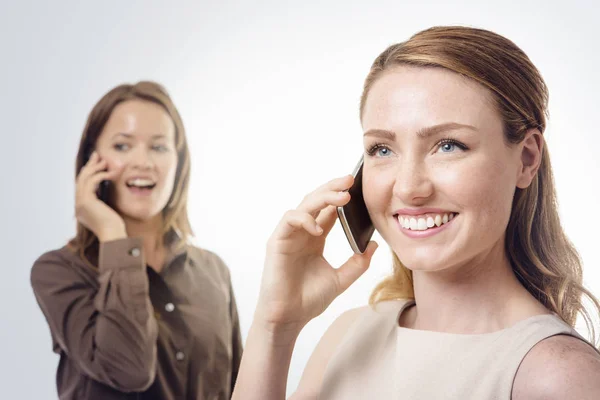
134	310
485	287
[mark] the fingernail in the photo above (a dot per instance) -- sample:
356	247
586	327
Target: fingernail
319	229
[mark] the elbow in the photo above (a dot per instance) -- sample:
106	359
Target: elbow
135	381
141	383
130	371
131	377
140	377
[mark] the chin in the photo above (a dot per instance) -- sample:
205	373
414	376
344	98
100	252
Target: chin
421	265
420	258
139	214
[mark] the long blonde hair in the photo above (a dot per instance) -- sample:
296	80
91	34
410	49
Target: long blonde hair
542	257
176	226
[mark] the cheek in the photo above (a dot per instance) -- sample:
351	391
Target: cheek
115	162
168	166
482	187
377	190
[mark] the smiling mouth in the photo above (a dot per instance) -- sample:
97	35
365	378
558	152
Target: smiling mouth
138	183
424	222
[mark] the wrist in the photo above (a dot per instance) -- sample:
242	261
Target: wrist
278	334
110	234
279	337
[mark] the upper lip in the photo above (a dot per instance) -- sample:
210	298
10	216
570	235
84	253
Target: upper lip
421	211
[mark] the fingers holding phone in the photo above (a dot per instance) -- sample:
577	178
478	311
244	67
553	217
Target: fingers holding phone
298	283
90	211
302	226
332	193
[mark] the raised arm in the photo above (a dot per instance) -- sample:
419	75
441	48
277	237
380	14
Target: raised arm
298	284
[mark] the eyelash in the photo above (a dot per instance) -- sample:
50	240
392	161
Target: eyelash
371	151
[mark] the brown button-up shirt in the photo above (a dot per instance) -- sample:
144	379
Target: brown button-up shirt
124	331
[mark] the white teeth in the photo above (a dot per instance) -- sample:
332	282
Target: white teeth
413	224
140	182
430	222
424	223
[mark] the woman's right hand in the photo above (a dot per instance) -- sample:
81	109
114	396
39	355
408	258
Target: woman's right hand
92	212
298	283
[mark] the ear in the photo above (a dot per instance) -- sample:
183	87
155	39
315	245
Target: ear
531	157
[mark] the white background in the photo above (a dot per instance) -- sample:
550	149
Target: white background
269	94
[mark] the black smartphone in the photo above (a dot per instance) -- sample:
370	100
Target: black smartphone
103	191
354	216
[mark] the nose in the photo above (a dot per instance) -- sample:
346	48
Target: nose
413	185
141	158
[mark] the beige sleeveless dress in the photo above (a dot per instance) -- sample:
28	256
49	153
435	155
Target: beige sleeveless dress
378	359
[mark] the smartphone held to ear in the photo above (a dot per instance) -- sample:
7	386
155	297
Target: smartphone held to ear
104	186
354	216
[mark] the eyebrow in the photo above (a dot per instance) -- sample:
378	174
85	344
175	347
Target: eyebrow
129	135
422	133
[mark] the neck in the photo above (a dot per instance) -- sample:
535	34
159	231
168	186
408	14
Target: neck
151	233
482	295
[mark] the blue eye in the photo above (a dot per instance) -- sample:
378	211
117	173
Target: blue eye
160	148
379	150
450	146
384	151
447	147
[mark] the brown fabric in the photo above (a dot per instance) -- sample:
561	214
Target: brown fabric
124	331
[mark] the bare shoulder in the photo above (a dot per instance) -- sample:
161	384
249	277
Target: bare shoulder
559	367
312	377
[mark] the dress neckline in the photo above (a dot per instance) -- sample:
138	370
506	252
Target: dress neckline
421	332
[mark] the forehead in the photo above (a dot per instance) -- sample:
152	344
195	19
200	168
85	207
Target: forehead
410	98
139	118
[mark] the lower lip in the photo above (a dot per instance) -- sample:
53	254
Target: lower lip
426	233
139	192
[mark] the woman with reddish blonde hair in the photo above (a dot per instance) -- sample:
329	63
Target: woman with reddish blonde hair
485	288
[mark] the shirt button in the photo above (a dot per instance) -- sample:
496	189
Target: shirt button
135	252
169	307
179	355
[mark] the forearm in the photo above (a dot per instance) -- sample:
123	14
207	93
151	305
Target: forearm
126	330
123	347
108	330
265	363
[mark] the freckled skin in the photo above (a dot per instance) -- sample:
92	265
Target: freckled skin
478	183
